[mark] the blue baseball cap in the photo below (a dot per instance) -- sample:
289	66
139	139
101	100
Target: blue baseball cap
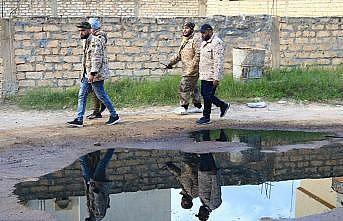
205	27
95	23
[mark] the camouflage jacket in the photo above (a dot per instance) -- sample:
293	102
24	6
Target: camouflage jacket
98	198
187	175
211	66
189	54
95	57
209	189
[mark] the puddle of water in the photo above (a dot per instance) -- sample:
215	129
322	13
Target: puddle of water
151	184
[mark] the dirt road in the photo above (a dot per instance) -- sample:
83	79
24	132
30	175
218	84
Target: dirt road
30	139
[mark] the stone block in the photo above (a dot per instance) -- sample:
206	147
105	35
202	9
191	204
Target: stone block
143	72
41	67
25	67
53	75
72	59
321	34
132	50
22	52
52	28
53	44
133	65
27	83
117	65
34	75
33	28
66	83
45	83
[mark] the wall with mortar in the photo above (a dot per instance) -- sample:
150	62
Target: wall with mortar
142	170
45	51
306	41
48	50
1	71
104	8
289	8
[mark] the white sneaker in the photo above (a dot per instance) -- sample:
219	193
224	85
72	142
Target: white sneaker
180	111
195	110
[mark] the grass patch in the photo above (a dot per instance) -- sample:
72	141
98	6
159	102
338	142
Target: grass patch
312	84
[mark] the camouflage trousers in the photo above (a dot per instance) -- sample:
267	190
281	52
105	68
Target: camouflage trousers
189	89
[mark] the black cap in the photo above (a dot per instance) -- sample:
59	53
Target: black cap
205	27
189	24
84	25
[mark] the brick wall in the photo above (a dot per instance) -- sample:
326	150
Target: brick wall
289	8
48	50
1	79
305	41
141	170
1	70
104	8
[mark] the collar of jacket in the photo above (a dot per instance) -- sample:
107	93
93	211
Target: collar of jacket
208	41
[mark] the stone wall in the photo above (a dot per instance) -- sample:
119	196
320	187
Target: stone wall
48	51
104	8
288	8
142	170
1	70
1	80
306	41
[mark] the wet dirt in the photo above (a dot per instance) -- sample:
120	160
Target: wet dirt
34	143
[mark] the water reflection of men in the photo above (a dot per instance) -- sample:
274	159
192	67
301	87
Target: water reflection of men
187	176
198	177
97	186
209	186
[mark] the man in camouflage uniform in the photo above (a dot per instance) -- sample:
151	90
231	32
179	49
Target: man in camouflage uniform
188	54
98	107
211	71
187	176
95	71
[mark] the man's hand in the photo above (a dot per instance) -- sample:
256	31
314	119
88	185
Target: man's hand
90	79
169	66
215	83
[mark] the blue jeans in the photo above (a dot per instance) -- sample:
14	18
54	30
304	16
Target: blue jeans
99	171
208	92
98	88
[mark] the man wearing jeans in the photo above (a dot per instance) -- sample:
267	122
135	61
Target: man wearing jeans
211	70
95	71
97	186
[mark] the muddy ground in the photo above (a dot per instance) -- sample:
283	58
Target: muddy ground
34	143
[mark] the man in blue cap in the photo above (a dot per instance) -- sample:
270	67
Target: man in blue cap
95	71
98	107
211	71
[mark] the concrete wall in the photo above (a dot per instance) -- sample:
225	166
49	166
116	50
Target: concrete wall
141	170
289	8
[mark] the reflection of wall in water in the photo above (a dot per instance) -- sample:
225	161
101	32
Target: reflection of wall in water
153	205
71	212
140	170
315	197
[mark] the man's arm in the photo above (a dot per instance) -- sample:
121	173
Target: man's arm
218	56
97	56
195	61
